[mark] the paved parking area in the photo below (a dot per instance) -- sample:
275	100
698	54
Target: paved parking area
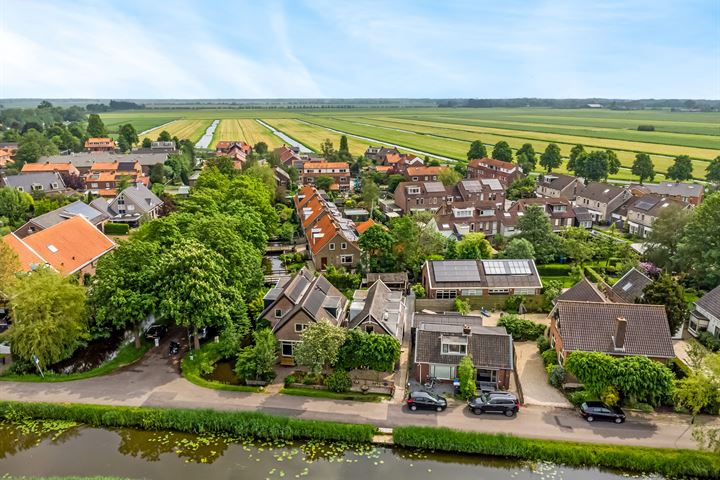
533	378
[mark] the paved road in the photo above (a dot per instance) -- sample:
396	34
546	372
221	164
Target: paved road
155	382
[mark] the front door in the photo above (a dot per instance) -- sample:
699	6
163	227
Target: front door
323	263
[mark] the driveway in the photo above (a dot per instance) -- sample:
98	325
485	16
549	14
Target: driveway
533	378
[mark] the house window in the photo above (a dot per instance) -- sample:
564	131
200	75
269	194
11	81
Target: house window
485	375
454	349
93	185
369	329
332	246
499	291
20	189
524	291
471	292
299	327
288	348
343	246
442	372
414	191
446	294
36	187
414	179
346	259
278	313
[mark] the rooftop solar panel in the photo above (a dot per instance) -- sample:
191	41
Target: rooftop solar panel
507	267
456	271
472	186
434	187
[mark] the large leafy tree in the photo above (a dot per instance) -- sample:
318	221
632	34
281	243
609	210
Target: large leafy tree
466	375
15	206
449	177
713	171
473	246
526	158
376	244
477	150
368	350
323	182
9	266
48	317
643	380
593	166
502	151
519	248
681	169
667	232
551	157
535	227
96	127
320	346
415	242
257	362
32	146
643	167
370	192
700	247
123	293
577	153
128	134
594	370
613	162
521	188
667	291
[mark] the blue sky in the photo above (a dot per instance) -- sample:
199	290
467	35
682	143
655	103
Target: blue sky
319	48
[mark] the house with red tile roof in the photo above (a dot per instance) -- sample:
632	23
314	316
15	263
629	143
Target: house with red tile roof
506	172
68	168
423	173
225	147
100	145
72	246
338	171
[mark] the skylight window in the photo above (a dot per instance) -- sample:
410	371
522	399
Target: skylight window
52	248
627	286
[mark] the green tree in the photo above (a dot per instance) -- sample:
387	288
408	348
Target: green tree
15	205
551	290
643	380
327	150
526	158
594	370
594	166
613	162
9	266
123	290
577	154
473	246
700	247
466	375
449	177
502	151
578	245
521	188
681	169
415	242
261	148
146	142
324	182
376	244
713	171
535	227
477	150
48	317
320	346
96	127
32	146
123	145
164	136
128	134
370	193
667	291
393	181
668	231
418	290
643	167
696	392
551	157
462	306
368	350
257	362
519	248
344	145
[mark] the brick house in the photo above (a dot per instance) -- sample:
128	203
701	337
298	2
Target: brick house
557	185
458	219
506	172
66	212
100	145
134	205
559	210
629	288
378	310
291	307
338	171
423	174
643	211
441	341
601	199
692	193
36	183
421	196
65	167
448	279
705	316
617	329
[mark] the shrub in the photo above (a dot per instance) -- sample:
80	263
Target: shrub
579	397
466	375
116	228
289	380
418	290
462	306
521	329
610	396
549	357
710	342
667	462
646	128
339	381
512	303
543	344
556	376
253	424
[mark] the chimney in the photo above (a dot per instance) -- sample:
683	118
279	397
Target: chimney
466	329
620	330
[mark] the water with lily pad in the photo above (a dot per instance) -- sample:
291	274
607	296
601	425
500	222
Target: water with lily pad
52	448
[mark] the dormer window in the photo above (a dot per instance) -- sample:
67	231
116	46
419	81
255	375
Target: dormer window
36	187
454	345
413	190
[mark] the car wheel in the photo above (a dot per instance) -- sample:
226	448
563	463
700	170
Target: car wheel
476	411
590	418
413	407
439	409
618	420
509	413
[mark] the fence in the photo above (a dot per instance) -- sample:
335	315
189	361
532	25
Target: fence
532	303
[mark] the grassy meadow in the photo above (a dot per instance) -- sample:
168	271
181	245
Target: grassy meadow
448	132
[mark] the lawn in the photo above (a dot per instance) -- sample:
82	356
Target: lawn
353	396
246	129
556	271
183	129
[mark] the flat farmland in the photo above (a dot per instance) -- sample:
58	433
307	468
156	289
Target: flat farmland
141	123
246	129
183	129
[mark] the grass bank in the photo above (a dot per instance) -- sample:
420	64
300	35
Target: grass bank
208	355
668	462
258	425
354	396
127	355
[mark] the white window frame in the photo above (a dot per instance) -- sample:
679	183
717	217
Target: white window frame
343	246
445	348
291	344
445	294
299	327
278	312
331	246
344	259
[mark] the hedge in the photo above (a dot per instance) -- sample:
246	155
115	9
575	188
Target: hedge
521	330
668	462
116	228
255	424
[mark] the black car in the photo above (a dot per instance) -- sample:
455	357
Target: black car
422	399
495	402
155	331
592	411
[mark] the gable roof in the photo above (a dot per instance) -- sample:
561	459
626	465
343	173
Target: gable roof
363	226
710	302
493	164
28	258
556	181
495	273
87	159
583	291
590	327
600	192
142	197
631	285
490	347
383	306
419	171
63	213
27	180
67	246
678	189
49	167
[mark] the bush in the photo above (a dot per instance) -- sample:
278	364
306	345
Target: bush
520	329
462	306
339	381
512	303
418	290
710	342
289	380
549	357
116	228
556	376
543	344
646	128
667	462
610	396
253	424
579	397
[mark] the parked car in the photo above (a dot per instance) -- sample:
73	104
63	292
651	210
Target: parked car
422	399
155	331
495	402
592	411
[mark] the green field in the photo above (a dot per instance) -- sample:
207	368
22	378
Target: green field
447	132
190	129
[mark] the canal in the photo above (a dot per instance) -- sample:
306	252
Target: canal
58	449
